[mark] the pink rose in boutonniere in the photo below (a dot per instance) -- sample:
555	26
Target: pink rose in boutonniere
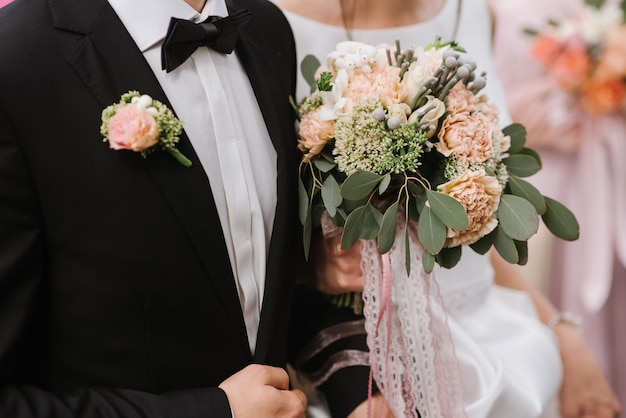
140	124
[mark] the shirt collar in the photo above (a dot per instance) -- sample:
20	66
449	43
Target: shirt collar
147	20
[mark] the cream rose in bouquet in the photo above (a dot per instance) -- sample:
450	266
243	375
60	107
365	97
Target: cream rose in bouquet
392	136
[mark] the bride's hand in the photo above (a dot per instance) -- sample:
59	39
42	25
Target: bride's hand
336	271
377	405
585	392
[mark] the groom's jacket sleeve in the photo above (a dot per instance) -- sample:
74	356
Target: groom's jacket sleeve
105	310
328	349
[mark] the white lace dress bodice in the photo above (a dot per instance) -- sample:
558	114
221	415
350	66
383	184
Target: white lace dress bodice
508	360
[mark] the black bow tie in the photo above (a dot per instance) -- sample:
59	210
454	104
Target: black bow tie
184	37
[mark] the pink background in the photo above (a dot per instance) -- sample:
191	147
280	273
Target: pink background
3	2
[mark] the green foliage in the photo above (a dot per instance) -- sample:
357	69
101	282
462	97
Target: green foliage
360	185
431	231
560	221
331	196
505	245
308	67
449	257
363	222
387	233
517	132
517	217
449	210
527	191
595	3
522	165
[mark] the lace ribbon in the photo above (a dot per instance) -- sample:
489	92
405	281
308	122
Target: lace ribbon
412	354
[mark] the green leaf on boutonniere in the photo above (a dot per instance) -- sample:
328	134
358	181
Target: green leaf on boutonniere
560	220
387	233
428	261
522	165
419	193
517	217
517	132
449	210
363	222
431	231
359	185
524	189
522	252
308	68
505	245
449	257
331	195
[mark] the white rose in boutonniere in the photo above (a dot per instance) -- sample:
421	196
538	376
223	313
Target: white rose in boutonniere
140	124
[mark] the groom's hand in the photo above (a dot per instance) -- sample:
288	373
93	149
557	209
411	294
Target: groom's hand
263	391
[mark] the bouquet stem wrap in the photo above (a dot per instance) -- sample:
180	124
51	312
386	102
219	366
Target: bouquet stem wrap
412	354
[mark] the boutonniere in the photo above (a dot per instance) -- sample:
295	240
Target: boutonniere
141	124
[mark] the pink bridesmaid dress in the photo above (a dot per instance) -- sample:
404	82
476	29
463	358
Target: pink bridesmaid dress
583	167
4	2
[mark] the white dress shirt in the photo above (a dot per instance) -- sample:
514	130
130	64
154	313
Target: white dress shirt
211	94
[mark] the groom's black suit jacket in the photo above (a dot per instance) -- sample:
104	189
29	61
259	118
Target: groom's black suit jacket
117	297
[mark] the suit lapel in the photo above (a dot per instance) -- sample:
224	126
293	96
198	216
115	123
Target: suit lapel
110	64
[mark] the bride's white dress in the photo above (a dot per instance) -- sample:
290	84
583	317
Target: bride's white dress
509	361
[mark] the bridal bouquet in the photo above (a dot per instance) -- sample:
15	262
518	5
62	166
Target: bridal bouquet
401	150
405	136
586	56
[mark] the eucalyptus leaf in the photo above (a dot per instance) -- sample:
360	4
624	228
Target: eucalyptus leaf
384	183
531	153
303	201
595	3
522	165
331	195
387	233
431	231
483	245
378	218
517	217
359	185
308	67
407	251
361	223
517	132
449	257
505	245
428	261
524	189
420	200
449	210
560	220
324	165
522	252
530	31
306	236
